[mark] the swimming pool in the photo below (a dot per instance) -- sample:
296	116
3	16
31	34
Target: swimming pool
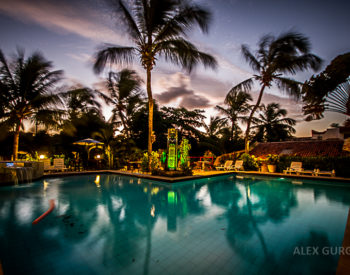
110	224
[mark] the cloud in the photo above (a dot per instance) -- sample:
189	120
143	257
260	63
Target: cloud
73	17
195	101
177	89
173	93
189	99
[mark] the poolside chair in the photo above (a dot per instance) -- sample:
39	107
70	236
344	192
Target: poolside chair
58	165
47	165
295	167
238	165
226	166
317	172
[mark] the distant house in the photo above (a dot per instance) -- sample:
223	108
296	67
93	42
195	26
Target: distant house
303	148
331	133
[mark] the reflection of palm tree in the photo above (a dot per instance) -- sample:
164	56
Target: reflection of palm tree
320	263
157	29
254	223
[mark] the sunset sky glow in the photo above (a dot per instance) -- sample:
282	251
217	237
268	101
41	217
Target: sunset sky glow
68	33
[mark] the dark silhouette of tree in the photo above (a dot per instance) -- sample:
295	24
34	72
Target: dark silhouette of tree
276	56
272	124
157	28
125	95
26	87
236	110
185	121
329	90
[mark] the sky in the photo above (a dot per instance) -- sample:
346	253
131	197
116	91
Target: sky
69	32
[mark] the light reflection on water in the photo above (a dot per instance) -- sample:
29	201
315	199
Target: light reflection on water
112	224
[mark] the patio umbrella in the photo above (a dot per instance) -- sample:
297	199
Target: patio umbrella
88	142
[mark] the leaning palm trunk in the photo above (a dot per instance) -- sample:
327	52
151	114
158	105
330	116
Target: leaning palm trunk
246	139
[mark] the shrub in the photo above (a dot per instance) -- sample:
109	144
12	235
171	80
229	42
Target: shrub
272	159
154	162
249	162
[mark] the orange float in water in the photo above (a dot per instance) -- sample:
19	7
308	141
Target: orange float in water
52	206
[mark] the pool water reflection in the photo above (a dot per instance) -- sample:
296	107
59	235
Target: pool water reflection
109	224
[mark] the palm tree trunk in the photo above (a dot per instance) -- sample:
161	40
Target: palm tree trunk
150	114
246	139
16	140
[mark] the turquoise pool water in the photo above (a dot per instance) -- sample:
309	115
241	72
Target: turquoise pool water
110	224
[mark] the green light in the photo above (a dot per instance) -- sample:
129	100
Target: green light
172	149
171	197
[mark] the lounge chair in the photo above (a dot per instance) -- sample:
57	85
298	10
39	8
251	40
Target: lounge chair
227	165
295	167
47	165
238	165
317	172
58	165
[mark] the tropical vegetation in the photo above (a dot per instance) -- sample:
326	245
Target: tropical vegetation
158	29
275	57
61	115
26	92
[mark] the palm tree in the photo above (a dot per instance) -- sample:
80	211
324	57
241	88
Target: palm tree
215	126
106	134
124	93
237	108
83	110
80	100
329	90
272	125
25	89
158	28
288	53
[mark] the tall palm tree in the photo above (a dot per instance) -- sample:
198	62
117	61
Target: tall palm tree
237	108
287	53
272	123
125	94
26	91
158	28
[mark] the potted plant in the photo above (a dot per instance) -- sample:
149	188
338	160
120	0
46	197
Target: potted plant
271	162
263	165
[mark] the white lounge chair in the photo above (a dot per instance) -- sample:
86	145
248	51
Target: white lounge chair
227	165
295	167
58	164
238	165
47	165
317	172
